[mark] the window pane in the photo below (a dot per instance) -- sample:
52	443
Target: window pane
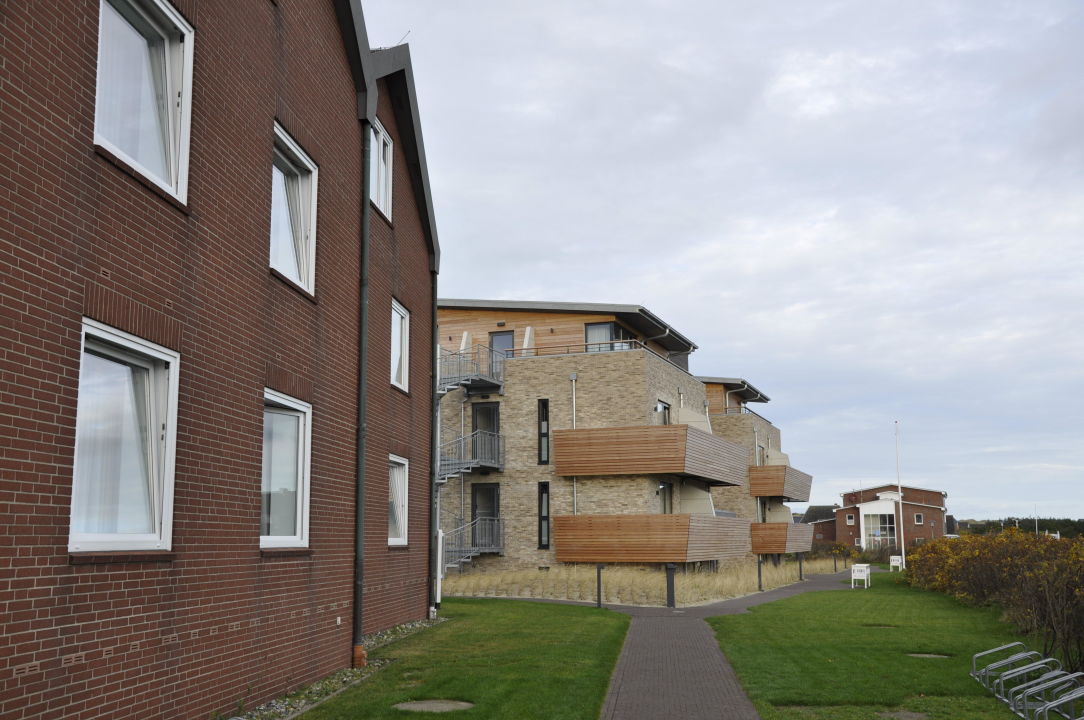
131	104
396	501
112	487
599	336
284	225
398	357
281	440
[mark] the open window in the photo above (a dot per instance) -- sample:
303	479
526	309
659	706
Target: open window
143	104
125	439
293	212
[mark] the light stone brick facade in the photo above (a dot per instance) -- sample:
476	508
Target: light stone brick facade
613	389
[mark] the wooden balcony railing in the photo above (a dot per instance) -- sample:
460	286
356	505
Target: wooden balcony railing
649	450
649	538
773	538
779	481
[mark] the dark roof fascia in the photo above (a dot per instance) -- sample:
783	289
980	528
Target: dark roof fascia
746	391
366	67
637	316
356	43
394	65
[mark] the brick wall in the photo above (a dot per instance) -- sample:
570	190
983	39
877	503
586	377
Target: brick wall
215	621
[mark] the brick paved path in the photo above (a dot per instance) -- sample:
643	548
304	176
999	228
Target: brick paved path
671	665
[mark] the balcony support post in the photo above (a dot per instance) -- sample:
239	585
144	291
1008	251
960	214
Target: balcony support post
760	573
670	567
598	584
801	574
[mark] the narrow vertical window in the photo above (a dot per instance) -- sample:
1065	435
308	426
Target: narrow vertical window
543	516
287	438
293	212
143	102
543	432
125	430
380	169
400	346
397	500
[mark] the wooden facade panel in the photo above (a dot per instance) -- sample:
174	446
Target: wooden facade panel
648	449
621	538
718	538
773	538
710	456
642	449
779	481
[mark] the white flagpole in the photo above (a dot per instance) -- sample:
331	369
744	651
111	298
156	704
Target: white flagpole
899	487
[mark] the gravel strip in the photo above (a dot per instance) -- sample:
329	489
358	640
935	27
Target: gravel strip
292	705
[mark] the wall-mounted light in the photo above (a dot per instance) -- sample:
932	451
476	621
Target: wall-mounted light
500	323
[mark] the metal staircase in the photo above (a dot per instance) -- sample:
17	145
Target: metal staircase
479	369
466	542
480	450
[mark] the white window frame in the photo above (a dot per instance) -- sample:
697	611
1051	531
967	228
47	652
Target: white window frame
850	519
179	35
397	309
288	152
380	175
919	519
405	502
280	401
165	367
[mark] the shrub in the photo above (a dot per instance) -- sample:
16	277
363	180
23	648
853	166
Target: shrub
1037	580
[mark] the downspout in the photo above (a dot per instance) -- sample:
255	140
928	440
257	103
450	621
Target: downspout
572	377
359	653
434	457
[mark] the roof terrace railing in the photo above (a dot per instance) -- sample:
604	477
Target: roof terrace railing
741	410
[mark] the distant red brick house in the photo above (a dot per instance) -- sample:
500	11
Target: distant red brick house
219	259
871	518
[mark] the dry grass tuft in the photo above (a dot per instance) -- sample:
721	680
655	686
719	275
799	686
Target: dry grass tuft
627	585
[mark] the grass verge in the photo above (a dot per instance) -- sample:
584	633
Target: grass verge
845	655
511	659
627	585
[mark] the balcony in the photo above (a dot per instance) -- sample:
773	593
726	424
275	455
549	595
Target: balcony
649	538
479	369
777	538
481	450
780	481
649	450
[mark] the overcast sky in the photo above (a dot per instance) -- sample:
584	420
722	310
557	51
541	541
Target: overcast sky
873	211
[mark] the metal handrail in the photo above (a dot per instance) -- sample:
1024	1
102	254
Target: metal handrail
480	448
741	410
481	535
478	362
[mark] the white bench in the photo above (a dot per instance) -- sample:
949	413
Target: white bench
860	573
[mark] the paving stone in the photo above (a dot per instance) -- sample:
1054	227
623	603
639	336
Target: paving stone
434	706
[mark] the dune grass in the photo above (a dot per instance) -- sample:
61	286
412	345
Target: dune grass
845	655
511	659
626	585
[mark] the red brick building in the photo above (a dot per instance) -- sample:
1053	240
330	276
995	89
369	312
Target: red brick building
870	518
219	260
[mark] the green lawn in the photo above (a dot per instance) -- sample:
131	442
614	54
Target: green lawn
822	655
512	659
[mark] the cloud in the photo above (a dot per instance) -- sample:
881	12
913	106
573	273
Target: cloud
874	212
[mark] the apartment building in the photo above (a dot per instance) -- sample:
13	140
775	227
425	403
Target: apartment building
219	262
876	517
574	432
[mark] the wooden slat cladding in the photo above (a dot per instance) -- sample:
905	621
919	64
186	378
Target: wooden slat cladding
779	481
710	456
621	538
772	538
649	538
647	449
718	538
